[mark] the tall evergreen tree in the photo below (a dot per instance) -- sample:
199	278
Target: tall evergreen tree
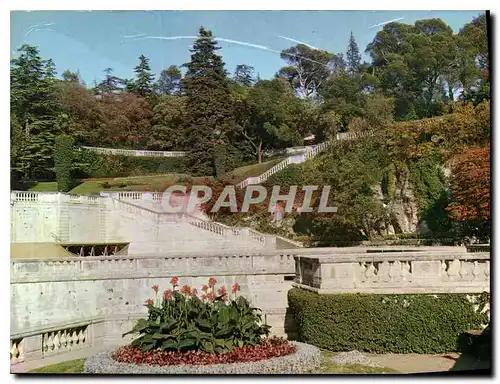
352	55
210	121
243	75
169	81
144	78
34	107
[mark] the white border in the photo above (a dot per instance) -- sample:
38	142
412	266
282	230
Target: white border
191	5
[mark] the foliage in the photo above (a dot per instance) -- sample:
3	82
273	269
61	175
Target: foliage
418	323
243	75
269	348
33	112
143	84
470	189
209	110
181	320
353	57
307	68
101	165
63	162
169	82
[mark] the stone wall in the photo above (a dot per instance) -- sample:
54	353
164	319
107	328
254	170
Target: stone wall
104	295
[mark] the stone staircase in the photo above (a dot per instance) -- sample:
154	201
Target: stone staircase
307	153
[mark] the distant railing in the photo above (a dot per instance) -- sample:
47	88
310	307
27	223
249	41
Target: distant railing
135	152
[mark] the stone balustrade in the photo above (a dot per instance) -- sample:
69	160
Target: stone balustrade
138	152
429	271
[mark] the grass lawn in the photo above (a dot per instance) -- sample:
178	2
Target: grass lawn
48	186
72	366
327	367
252	170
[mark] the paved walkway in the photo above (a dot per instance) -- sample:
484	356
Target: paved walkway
415	363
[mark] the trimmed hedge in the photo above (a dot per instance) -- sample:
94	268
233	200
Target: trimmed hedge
417	323
63	159
99	165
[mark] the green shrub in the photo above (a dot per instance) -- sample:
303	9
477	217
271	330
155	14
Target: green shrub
99	165
180	320
63	159
417	323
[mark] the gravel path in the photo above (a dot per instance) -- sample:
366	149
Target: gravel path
306	358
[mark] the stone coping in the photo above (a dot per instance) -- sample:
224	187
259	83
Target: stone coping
305	359
351	253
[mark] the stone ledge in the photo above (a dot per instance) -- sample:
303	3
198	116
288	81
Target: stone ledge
305	359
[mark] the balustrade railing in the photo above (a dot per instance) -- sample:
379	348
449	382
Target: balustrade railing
65	340
132	152
16	351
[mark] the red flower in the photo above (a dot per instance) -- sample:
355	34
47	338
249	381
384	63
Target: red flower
203	297
194	292
235	288
149	302
186	289
205	288
211	296
174	281
155	288
222	291
167	295
212	282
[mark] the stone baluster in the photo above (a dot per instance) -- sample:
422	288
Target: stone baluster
17	351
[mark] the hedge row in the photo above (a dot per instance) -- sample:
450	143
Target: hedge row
417	323
99	165
63	159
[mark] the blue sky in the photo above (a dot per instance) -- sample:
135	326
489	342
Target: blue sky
92	41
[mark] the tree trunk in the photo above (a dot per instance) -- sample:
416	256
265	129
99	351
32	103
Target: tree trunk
259	152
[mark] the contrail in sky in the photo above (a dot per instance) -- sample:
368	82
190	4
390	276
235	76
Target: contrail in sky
38	30
140	34
34	27
298	42
262	47
385	22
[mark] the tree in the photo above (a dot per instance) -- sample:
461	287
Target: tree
353	57
143	85
470	190
167	124
34	105
270	120
307	68
243	75
210	125
63	153
169	81
110	84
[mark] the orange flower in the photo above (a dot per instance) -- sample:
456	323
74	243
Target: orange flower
148	302
155	288
235	288
212	282
186	289
174	281
205	288
167	295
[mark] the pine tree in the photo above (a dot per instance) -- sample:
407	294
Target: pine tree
353	56
209	111
144	78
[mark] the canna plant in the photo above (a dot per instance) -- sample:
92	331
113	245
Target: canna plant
212	321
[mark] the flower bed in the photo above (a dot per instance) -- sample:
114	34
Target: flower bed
272	347
305	358
211	332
